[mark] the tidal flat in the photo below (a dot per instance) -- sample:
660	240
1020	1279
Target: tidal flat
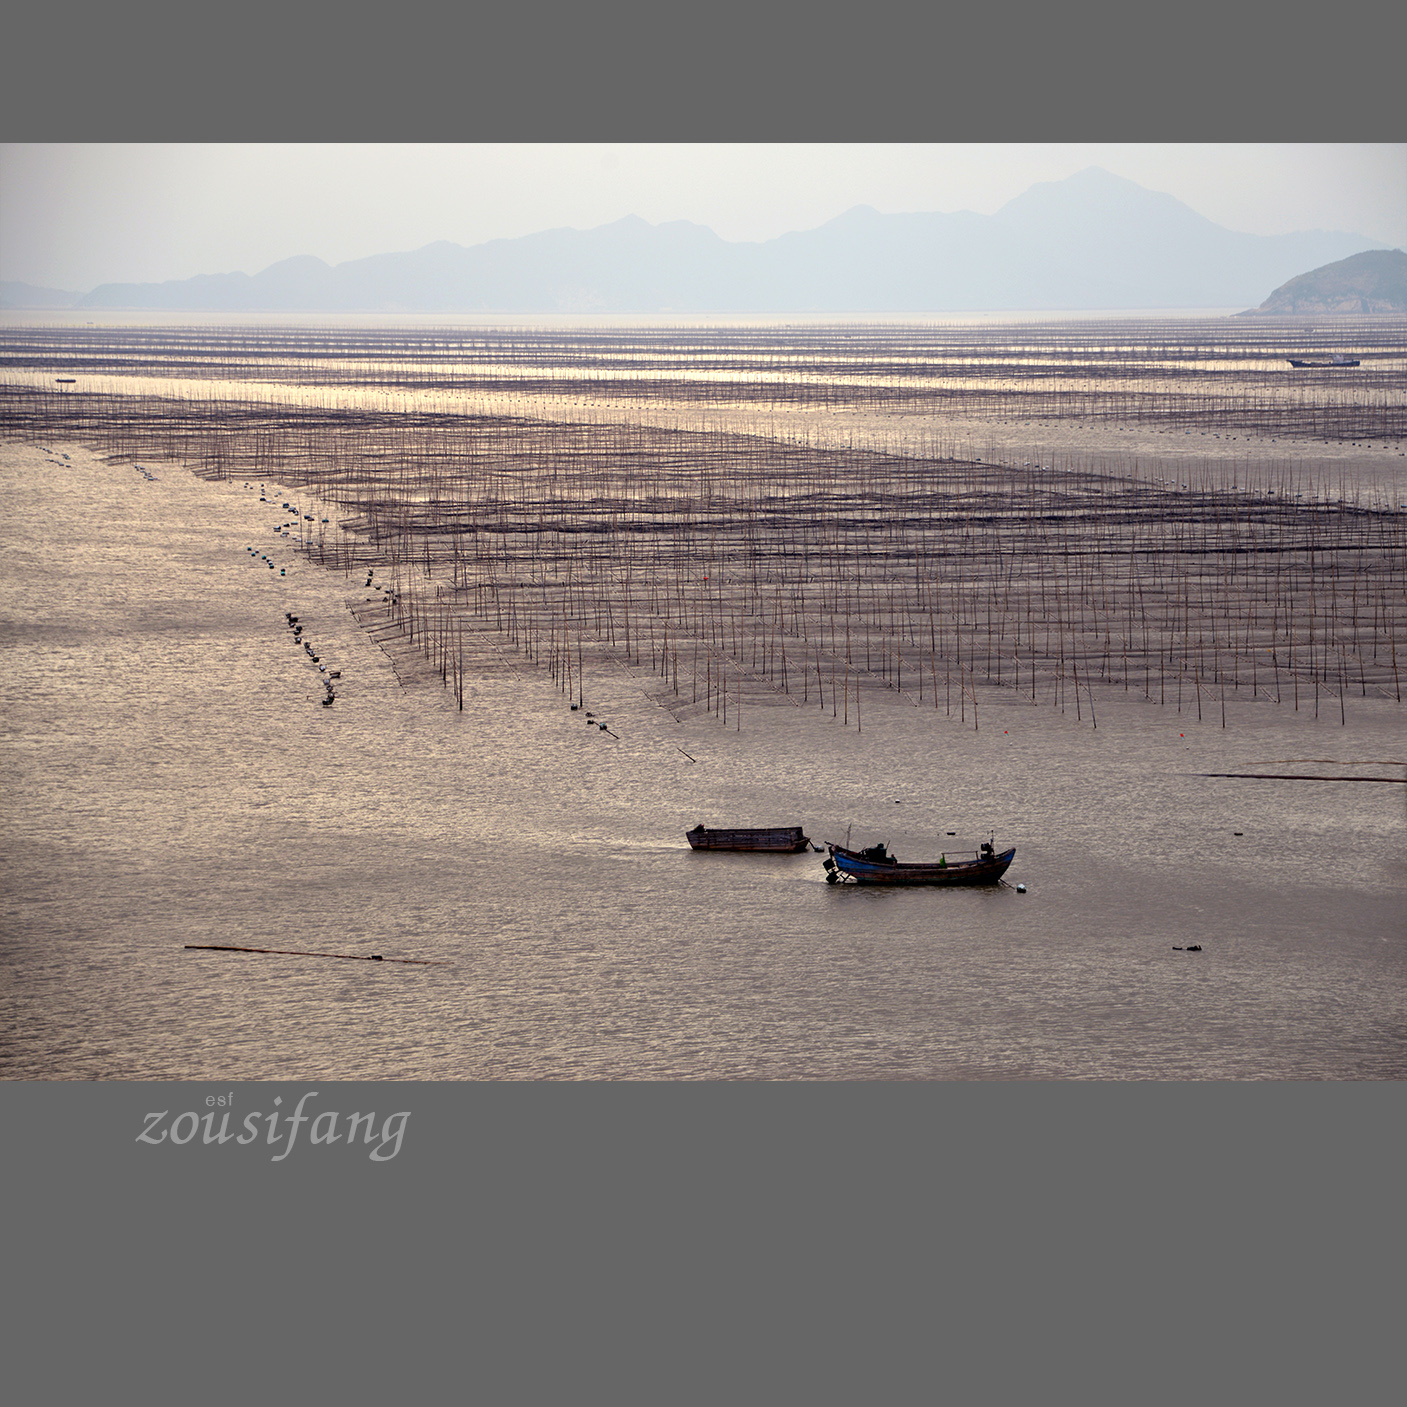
1130	597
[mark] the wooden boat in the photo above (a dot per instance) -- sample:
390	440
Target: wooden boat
877	866
1337	360
778	839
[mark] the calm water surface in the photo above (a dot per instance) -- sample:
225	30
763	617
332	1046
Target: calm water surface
171	778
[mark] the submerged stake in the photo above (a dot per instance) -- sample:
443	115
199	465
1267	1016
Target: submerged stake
288	953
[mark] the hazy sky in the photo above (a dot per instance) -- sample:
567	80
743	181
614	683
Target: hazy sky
76	215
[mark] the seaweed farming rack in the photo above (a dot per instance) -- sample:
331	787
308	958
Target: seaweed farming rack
729	571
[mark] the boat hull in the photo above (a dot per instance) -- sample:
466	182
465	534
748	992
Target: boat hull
852	867
785	840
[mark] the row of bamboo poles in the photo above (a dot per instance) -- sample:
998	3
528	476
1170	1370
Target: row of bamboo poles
732	571
876	349
1227	375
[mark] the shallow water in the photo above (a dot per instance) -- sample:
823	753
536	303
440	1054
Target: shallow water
171	778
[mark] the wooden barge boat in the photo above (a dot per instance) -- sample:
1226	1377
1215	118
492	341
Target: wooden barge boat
776	839
877	866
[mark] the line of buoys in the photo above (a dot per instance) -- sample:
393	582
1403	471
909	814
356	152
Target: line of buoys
267	560
296	626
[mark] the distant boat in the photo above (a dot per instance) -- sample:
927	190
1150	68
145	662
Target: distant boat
1338	359
877	866
778	839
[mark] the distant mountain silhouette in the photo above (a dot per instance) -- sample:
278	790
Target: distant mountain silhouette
1091	241
1372	282
27	295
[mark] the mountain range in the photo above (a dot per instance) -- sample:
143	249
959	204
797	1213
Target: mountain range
1091	241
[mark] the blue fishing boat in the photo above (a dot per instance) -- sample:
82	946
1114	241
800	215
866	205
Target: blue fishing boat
877	866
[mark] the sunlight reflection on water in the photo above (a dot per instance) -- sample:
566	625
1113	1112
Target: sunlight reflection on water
171	779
